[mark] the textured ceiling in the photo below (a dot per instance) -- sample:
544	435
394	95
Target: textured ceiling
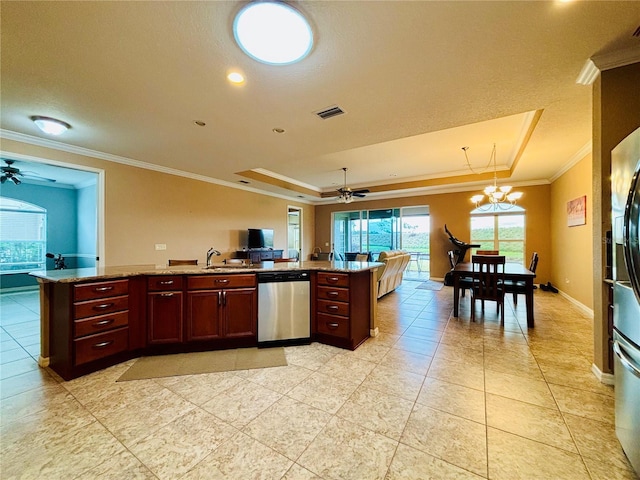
417	80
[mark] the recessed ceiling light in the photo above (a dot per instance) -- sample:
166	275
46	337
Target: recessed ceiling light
278	130
273	32
200	123
50	126
235	77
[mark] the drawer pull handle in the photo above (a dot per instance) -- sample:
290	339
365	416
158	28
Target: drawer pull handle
333	325
103	306
166	282
102	323
103	344
222	280
332	307
102	289
332	294
333	279
166	294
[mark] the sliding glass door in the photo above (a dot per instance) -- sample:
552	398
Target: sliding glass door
373	231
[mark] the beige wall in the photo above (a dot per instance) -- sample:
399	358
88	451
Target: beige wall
453	209
145	207
572	269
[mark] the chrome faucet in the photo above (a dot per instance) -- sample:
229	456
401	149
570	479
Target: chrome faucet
210	253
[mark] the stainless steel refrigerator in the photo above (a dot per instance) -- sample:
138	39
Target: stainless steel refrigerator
625	206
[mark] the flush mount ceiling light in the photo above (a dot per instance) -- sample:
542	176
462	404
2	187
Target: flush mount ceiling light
50	126
273	32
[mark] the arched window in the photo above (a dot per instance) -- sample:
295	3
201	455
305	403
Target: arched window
23	236
500	227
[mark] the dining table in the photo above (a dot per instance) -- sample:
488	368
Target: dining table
512	271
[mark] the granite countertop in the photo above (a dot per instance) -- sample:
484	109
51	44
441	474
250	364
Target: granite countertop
104	273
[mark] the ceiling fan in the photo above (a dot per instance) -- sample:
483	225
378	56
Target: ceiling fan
346	194
9	172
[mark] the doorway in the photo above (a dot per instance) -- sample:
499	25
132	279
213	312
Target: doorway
294	232
71	197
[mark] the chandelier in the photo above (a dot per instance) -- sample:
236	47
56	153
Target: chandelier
496	195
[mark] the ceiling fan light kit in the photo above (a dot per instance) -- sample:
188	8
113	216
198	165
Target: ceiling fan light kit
50	126
347	194
9	172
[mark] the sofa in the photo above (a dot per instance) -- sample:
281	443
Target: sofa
390	275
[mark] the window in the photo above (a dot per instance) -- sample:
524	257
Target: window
23	236
377	230
502	229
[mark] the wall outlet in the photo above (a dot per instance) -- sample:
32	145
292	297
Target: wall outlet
161	246
326	244
566	280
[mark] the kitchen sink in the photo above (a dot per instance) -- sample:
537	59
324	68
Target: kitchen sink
225	266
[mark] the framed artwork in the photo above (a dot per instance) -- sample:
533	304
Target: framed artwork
577	211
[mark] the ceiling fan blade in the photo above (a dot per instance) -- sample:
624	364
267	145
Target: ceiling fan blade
36	177
360	190
359	195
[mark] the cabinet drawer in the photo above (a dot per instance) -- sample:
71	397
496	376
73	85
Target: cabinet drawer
329	293
337	279
333	325
91	291
333	308
210	282
101	345
163	283
100	307
92	325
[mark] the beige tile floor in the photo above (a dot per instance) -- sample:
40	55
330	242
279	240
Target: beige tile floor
430	397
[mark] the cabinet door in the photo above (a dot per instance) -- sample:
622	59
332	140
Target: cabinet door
165	317
204	315
241	312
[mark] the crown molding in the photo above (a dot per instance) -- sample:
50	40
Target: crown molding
64	147
606	61
619	58
579	155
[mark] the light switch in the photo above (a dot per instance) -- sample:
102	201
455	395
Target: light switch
161	246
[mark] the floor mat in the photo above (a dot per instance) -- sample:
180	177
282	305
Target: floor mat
430	285
204	362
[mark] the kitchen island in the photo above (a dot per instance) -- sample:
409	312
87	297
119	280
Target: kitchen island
92	318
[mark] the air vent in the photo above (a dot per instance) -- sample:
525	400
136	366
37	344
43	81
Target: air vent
330	112
637	32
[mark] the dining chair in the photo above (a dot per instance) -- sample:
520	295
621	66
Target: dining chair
415	257
464	283
487	252
182	262
362	257
517	287
488	282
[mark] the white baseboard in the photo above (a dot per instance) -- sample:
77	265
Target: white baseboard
606	378
43	362
374	332
581	306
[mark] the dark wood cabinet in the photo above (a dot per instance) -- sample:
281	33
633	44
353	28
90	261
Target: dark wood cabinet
164	309
96	324
258	255
89	325
342	308
222	307
204	315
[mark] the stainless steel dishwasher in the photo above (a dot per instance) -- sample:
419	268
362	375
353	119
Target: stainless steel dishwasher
283	308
